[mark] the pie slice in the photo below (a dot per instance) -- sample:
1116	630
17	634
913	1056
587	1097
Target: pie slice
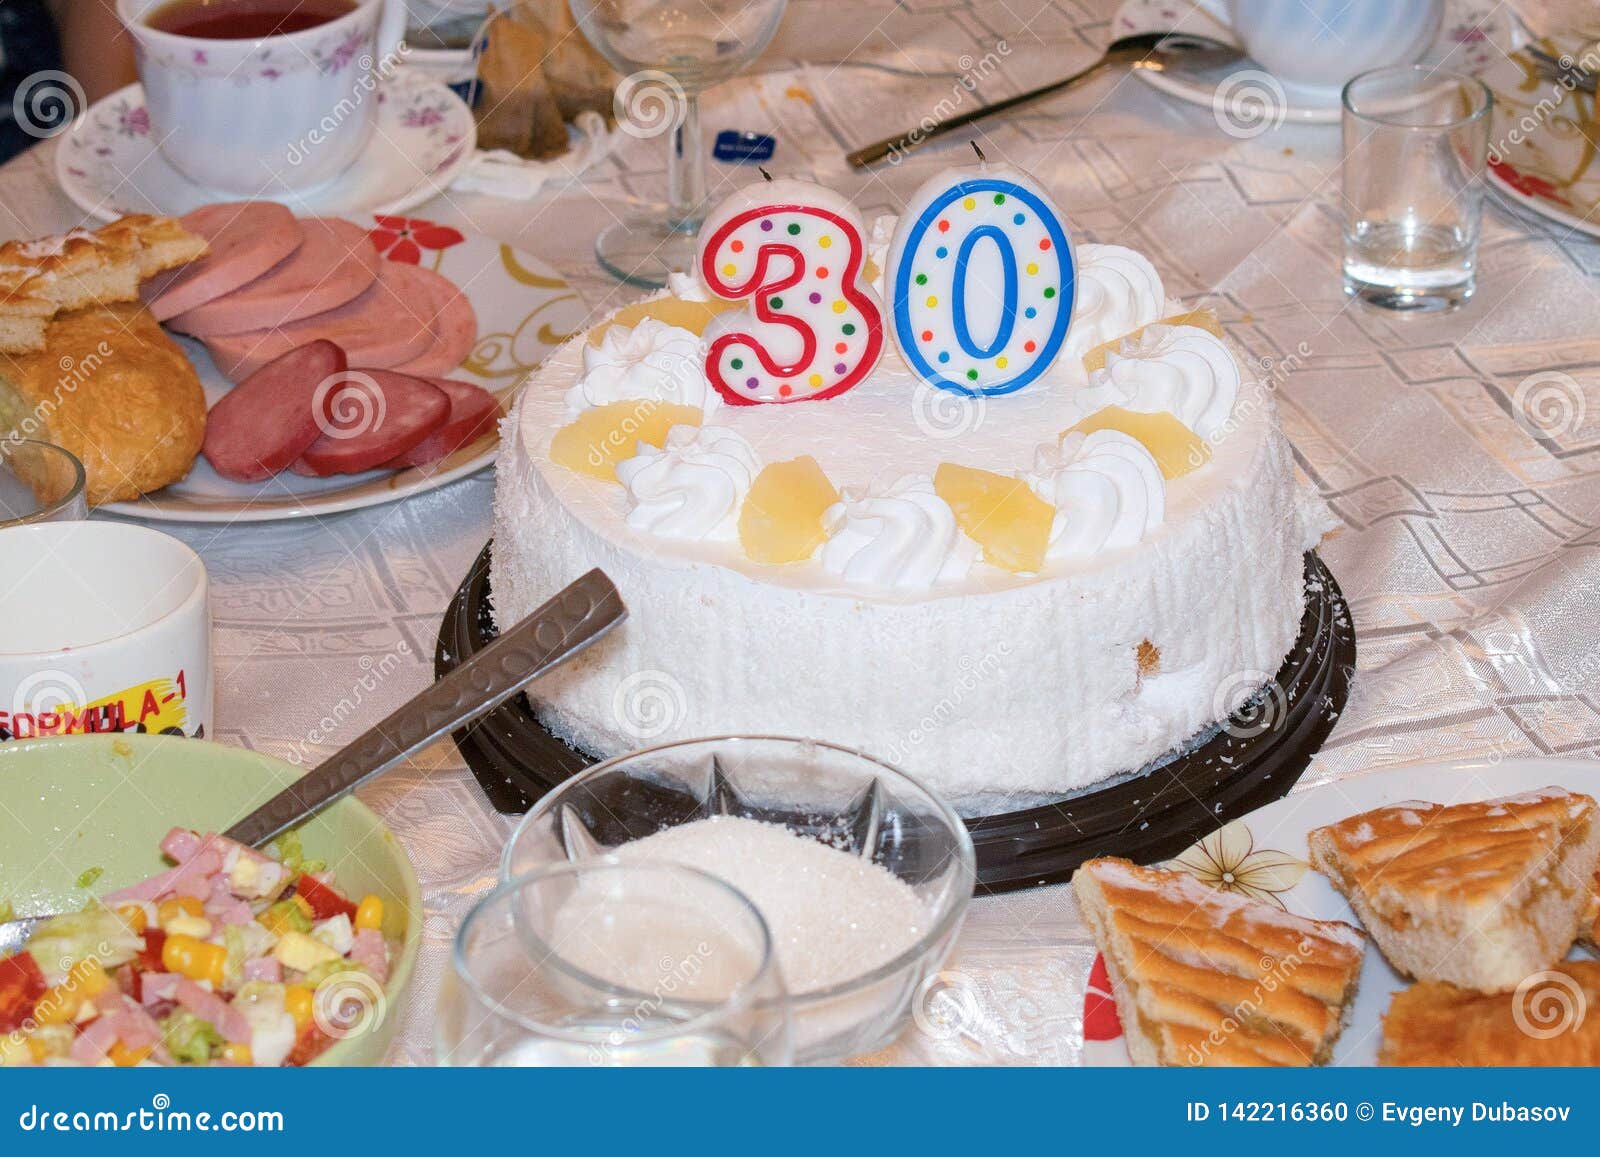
1589	928
1211	978
1478	894
1552	1019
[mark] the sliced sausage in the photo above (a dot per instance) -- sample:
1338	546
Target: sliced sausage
387	325
275	415
454	325
336	263
377	415
473	413
246	239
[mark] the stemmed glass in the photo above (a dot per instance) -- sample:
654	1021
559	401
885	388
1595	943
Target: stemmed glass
598	962
669	52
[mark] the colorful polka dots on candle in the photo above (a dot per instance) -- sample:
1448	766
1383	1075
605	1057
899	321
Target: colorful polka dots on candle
981	281
814	343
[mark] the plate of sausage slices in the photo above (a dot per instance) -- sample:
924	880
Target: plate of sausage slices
345	362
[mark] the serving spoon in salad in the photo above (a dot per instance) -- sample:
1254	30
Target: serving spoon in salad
560	629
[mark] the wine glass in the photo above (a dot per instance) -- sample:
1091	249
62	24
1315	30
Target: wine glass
669	52
602	963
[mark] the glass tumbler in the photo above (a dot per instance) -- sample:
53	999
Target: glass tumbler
600	963
1415	143
39	482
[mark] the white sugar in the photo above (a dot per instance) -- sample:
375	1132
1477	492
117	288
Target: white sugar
833	915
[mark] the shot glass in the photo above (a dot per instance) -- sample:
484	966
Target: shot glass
39	482
1415	143
600	963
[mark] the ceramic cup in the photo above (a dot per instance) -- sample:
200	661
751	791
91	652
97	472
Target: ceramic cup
104	626
259	117
1320	44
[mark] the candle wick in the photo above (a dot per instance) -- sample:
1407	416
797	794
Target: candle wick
983	159
766	176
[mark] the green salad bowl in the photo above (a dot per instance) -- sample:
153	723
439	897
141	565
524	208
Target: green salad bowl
82	815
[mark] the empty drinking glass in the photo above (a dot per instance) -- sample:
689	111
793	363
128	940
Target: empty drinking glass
1415	142
669	52
601	963
39	482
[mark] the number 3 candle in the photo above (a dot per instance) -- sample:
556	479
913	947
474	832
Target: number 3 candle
981	280
812	327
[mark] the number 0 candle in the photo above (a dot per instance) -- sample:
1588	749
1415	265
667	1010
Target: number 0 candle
981	280
812	327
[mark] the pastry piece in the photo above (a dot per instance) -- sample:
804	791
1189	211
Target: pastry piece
1553	1018
76	269
1477	894
1212	978
110	386
1589	929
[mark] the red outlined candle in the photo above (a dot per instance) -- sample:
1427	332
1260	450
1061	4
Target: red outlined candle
812	327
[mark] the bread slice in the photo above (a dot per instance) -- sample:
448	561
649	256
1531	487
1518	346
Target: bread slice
1479	894
1552	1019
1209	978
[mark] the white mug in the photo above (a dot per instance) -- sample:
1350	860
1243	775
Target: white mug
261	117
104	626
1320	44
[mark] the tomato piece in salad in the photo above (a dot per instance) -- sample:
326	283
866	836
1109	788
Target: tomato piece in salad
21	986
325	901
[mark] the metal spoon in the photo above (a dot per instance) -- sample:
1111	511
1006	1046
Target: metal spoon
554	633
1156	51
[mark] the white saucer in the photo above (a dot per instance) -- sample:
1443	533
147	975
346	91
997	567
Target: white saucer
108	162
1473	35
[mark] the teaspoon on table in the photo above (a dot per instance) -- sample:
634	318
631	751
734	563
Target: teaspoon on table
551	635
1155	51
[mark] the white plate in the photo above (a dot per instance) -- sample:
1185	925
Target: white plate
524	311
1541	132
1472	36
1280	829
108	162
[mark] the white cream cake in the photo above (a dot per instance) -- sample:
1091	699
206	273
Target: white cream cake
909	631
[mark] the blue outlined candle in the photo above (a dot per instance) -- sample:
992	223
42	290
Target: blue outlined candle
981	280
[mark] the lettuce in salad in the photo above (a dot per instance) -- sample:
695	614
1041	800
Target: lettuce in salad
190	1040
96	933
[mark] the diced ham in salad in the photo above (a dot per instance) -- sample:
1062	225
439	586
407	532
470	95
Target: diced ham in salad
222	959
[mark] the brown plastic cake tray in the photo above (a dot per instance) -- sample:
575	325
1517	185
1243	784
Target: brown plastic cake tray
1251	759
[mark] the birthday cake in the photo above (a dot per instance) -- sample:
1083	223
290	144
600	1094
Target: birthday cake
953	491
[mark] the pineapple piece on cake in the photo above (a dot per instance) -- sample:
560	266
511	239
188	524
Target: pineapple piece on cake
599	438
1000	513
693	316
1177	449
1206	319
1479	894
1210	978
781	519
1549	1021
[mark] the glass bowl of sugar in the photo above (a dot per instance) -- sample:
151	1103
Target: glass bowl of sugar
862	873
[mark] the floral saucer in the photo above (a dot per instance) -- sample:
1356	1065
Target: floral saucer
1263	855
109	162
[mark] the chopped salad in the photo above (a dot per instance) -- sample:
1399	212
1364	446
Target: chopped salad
231	957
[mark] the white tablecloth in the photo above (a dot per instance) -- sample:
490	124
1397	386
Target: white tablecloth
1469	553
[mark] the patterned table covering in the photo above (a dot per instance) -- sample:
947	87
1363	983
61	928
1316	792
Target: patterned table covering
1462	452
